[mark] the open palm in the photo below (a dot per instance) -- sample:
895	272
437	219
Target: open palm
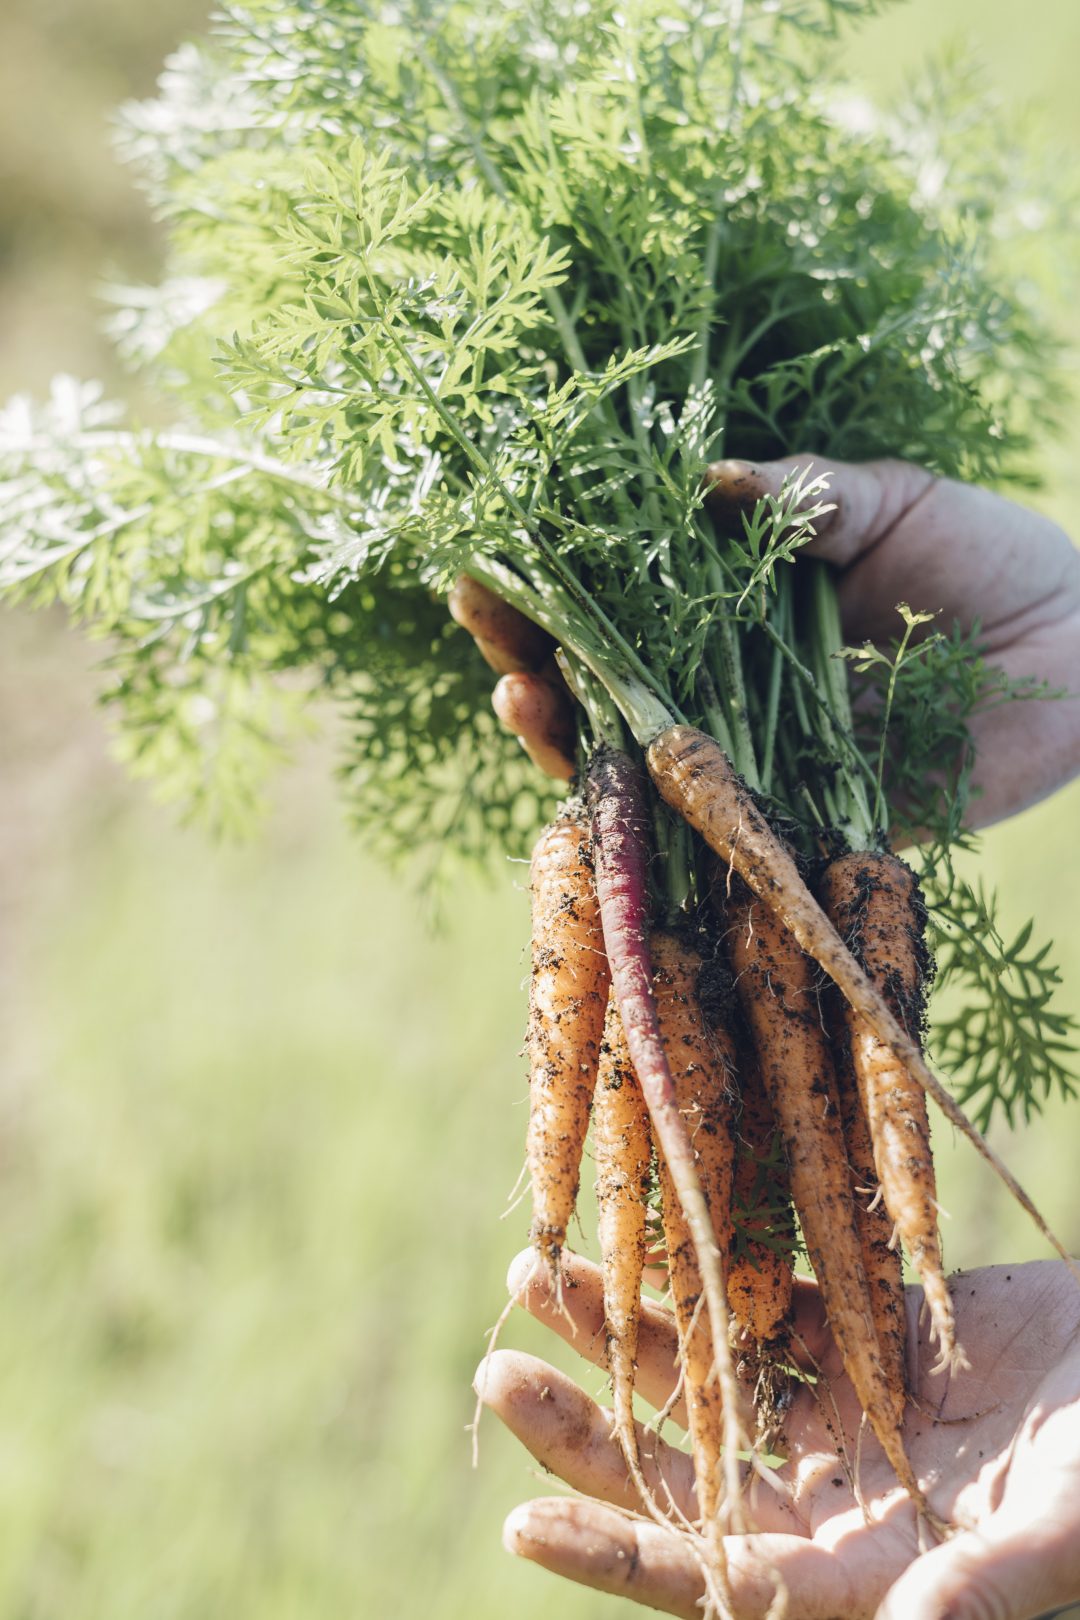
997	1449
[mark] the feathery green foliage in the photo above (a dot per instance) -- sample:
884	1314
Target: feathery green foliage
454	289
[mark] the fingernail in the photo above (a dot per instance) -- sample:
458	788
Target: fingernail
729	471
733	483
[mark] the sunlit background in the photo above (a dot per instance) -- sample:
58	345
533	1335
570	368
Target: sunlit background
257	1124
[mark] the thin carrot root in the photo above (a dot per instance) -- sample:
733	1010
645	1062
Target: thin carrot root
622	1146
874	1225
776	983
874	902
567	1001
473	1428
705	1090
694	775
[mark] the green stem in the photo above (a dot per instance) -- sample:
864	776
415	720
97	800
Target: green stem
713	713
641	439
880	813
572	586
731	663
806	685
732	688
604	719
711	257
557	309
765	325
847	793
678	874
644	712
808	799
772	716
674	858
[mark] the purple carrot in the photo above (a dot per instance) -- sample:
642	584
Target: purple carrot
614	792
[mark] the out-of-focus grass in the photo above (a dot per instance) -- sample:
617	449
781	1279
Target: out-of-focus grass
69	215
259	1128
256	1124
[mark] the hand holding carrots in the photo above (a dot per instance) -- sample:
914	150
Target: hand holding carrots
899	535
530	698
887	517
1002	1438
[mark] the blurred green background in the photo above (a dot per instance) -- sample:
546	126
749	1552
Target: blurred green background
257	1123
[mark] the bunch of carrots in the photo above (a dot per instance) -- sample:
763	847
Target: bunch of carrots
756	1059
626	1023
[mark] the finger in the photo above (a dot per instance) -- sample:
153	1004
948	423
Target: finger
571	1436
966	555
1011	1577
1025	751
506	638
541	716
900	535
579	1320
600	1547
868	499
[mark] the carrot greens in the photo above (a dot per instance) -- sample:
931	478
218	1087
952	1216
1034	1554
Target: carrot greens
458	289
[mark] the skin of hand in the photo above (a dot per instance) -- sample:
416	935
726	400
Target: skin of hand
531	698
898	534
997	1448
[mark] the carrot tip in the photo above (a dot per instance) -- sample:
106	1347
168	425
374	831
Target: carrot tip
951	1359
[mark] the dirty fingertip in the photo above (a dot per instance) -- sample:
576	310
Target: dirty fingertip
734	483
521	1274
518	1534
495	1377
737	486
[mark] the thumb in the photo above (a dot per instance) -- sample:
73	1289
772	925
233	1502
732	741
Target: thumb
984	1576
868	500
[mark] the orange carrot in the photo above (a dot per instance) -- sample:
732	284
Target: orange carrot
874	1224
622	1145
567	1000
705	1090
694	775
874	901
760	1273
776	984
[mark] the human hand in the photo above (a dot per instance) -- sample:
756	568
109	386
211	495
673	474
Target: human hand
997	1449
899	535
531	698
